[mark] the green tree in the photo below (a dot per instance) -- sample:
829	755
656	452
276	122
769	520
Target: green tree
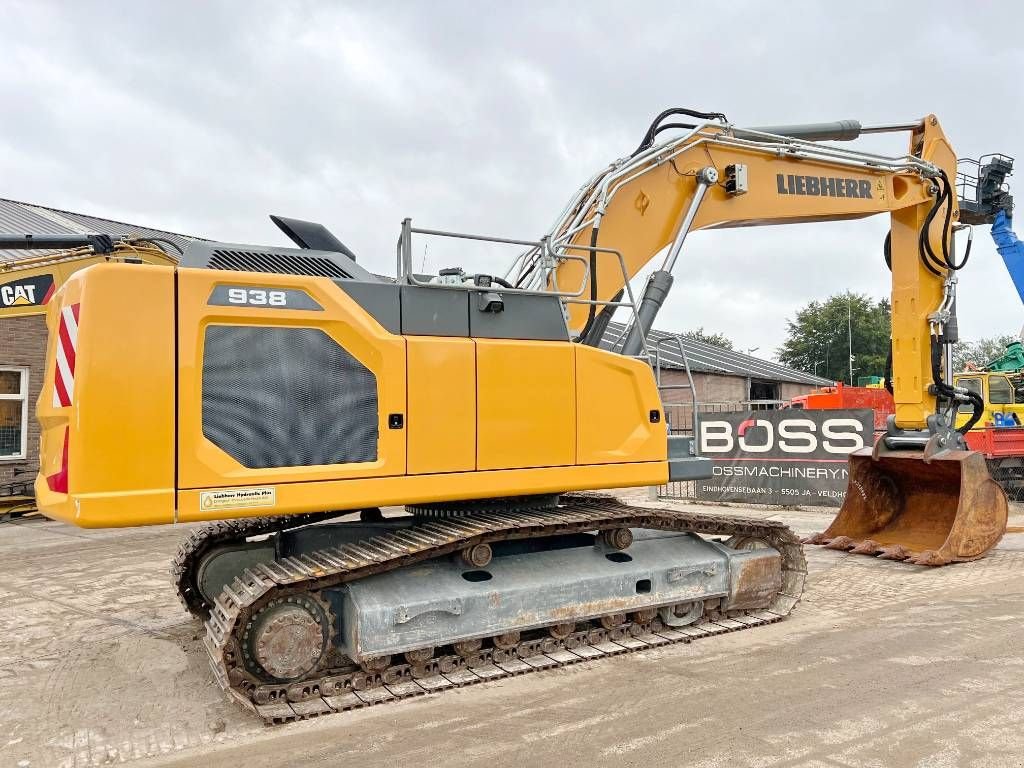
818	340
716	339
980	352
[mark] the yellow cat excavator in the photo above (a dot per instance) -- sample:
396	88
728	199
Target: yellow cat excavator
284	395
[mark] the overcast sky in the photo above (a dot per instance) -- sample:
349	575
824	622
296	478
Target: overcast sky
203	118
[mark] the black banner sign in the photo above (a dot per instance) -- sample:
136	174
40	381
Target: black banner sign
781	457
26	292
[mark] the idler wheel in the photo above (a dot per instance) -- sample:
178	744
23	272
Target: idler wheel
289	637
747	542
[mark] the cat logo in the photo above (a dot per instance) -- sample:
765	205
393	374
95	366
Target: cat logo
27	292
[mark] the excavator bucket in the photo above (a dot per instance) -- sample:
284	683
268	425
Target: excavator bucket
902	505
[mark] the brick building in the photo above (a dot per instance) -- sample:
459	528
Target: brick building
26	280
721	376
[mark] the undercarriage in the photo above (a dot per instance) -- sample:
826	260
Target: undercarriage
309	615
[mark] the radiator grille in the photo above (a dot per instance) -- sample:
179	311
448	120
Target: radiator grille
286	397
275	263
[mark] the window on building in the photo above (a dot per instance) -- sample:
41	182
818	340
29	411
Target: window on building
764	390
999	390
13	412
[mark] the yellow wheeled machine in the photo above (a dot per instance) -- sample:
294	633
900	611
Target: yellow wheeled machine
285	395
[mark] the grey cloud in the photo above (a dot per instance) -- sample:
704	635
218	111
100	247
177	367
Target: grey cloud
205	117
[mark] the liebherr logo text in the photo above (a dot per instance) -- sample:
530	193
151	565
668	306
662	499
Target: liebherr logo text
838	436
822	186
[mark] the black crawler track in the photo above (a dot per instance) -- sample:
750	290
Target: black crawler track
343	686
208	537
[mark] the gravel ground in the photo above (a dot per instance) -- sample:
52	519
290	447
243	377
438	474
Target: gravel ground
882	664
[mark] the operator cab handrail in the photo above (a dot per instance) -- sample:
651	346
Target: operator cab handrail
405	272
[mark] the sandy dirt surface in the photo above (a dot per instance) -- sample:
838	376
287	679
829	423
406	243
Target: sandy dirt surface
882	664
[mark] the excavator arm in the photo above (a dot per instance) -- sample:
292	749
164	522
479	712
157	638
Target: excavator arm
918	494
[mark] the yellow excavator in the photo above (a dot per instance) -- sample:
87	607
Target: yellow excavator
283	395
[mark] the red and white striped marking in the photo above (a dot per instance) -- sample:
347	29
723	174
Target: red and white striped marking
67	343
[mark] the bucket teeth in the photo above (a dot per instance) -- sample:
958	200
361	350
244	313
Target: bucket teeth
895	552
841	542
817	538
867	547
929	557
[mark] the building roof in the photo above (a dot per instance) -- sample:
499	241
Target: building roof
707	358
24	219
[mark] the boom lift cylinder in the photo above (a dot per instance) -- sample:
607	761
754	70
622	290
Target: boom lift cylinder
660	282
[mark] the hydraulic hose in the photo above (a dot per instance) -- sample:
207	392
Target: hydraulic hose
600	324
979	409
946	231
669	126
929	258
945	390
648	140
163	240
652	131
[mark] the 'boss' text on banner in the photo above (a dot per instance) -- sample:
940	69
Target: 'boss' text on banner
781	457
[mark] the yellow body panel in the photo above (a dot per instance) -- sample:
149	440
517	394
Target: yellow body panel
121	420
614	418
526	412
482	417
292	498
442	404
201	464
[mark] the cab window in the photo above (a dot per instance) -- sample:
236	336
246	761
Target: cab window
999	390
972	384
